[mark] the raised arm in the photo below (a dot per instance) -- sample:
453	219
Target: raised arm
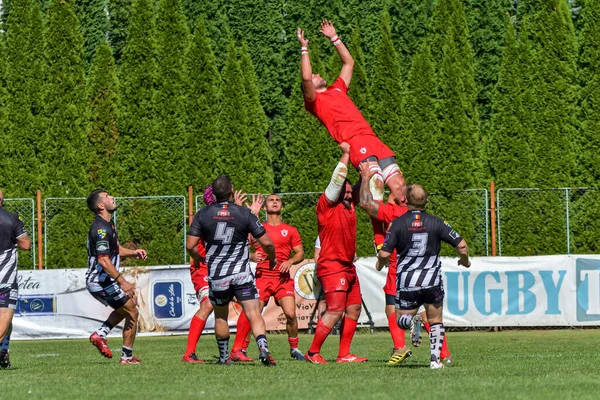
333	190
305	68
328	30
367	202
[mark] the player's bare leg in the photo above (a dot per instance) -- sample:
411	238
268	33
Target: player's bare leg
98	338
335	309
408	319
288	305
130	312
222	333
253	310
394	180
6	316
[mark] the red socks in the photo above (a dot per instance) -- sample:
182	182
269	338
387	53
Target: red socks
196	328
397	333
348	329
321	333
243	328
293	342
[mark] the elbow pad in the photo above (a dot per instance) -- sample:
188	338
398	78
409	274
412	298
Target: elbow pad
337	181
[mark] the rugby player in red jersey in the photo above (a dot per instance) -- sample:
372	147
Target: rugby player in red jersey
277	282
335	269
199	275
345	123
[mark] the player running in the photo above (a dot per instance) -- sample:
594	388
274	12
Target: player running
103	279
224	228
345	123
416	236
337	230
12	236
276	283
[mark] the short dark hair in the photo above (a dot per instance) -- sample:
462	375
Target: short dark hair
343	191
274	194
222	188
93	199
416	195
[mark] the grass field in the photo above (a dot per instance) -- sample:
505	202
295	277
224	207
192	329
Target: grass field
504	365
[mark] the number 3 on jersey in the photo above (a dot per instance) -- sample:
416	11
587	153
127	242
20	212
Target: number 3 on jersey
224	233
419	245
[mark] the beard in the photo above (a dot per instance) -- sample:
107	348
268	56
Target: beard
321	85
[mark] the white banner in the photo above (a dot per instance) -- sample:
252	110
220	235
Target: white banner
495	291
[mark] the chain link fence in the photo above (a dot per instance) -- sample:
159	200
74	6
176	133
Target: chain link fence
25	209
154	223
548	221
466	211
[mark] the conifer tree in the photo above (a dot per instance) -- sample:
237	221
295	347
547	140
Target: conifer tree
94	25
119	12
103	101
21	159
422	133
553	101
509	146
386	89
4	134
359	90
588	140
64	150
137	117
203	108
260	175
172	34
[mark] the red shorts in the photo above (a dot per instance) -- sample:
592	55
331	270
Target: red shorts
341	282
363	146
274	287
200	281
390	282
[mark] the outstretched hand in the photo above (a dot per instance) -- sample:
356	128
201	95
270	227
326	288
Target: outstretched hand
257	203
301	39
239	198
327	29
365	172
345	147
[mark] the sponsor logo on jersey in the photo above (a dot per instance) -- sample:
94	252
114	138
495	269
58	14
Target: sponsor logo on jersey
343	281
284	232
101	233
223	212
417	223
363	150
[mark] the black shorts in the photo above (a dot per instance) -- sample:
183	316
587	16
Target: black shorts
241	286
9	296
413	299
110	295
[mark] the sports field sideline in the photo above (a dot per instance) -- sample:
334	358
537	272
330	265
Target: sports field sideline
544	364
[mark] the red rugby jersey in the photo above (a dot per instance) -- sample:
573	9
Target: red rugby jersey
337	231
338	113
284	237
386	213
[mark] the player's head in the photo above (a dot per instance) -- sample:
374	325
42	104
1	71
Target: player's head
416	196
318	82
399	201
99	201
273	204
346	194
222	188
208	196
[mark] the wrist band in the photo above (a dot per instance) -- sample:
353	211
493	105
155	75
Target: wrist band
304	50
118	276
336	40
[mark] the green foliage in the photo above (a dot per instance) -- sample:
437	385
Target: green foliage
359	90
4	135
170	126
509	145
94	25
65	152
119	12
386	90
422	132
202	105
260	176
103	98
588	139
137	117
553	94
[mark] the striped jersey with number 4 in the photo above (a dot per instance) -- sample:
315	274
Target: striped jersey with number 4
416	236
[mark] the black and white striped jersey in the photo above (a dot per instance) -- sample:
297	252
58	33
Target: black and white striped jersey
11	228
417	236
224	227
103	241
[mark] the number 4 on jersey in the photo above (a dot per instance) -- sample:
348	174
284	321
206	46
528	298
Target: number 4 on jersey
224	233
